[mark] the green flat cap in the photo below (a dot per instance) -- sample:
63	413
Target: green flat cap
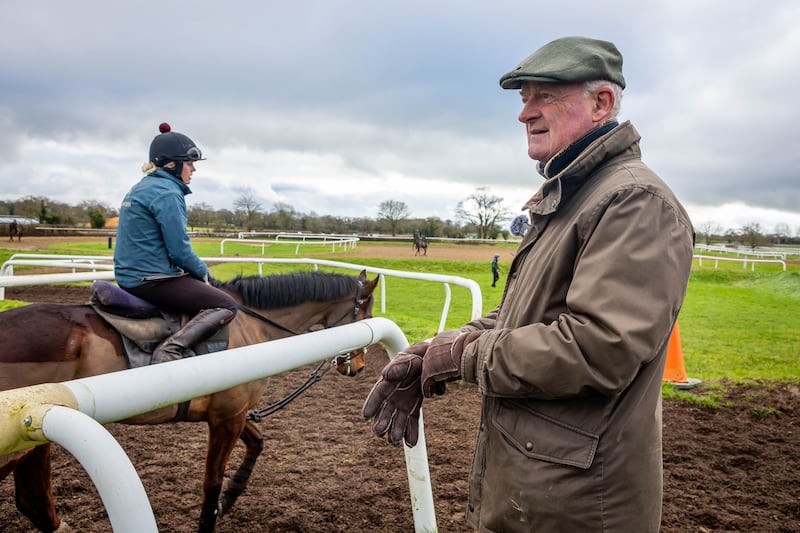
569	59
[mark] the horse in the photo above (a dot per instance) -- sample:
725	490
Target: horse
14	230
48	343
420	243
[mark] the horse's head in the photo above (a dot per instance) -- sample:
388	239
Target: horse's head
352	363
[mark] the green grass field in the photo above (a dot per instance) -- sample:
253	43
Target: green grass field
736	324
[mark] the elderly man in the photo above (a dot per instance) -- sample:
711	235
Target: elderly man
570	364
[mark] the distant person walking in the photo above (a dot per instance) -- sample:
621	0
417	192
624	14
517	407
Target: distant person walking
495	270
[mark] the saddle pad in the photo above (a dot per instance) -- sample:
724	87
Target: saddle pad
120	302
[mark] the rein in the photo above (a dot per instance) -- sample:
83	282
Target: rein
315	376
246	310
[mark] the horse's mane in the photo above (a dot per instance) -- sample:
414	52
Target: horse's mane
286	290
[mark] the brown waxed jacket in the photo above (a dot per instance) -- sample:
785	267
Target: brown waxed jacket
571	366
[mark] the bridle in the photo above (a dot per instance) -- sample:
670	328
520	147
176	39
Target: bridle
346	360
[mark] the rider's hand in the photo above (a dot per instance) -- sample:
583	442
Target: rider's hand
395	400
442	362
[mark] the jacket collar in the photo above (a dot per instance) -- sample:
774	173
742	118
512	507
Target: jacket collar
577	162
159	173
566	156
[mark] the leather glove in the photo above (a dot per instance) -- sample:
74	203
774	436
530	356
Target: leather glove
442	361
395	400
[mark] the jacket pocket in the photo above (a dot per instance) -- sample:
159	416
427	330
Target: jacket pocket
539	436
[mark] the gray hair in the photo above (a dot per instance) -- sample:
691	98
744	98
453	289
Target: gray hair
591	86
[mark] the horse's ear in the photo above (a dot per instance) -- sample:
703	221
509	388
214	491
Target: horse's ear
368	286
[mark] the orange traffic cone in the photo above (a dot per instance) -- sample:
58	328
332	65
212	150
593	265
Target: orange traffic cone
674	371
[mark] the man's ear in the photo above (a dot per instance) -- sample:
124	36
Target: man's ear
603	103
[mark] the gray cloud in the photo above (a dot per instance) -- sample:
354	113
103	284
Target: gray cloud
390	98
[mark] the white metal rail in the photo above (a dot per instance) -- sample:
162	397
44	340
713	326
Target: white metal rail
743	260
298	239
73	262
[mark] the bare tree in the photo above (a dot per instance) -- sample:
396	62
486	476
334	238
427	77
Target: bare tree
283	216
248	207
751	235
782	232
708	229
483	210
392	212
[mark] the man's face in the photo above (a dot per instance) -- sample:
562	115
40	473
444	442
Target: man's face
555	115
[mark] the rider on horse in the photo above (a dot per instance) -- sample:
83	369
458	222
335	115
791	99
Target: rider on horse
14	230
154	259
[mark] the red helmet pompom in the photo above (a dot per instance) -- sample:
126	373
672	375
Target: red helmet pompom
164	127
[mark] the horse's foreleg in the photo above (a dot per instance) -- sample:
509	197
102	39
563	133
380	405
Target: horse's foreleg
254	442
222	437
34	495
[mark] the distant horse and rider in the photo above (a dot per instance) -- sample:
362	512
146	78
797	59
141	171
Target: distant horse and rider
14	230
420	243
84	340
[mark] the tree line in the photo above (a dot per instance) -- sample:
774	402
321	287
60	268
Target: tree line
481	215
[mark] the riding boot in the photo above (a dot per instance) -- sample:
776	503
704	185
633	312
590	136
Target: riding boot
202	326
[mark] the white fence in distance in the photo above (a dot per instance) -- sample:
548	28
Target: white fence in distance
342	242
744	260
781	252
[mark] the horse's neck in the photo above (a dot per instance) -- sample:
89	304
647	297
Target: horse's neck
247	330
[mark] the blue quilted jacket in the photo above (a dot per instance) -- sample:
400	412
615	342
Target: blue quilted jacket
152	241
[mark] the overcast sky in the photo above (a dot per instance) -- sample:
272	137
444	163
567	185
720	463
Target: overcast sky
335	106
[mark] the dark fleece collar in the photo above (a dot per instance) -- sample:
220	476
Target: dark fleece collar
568	154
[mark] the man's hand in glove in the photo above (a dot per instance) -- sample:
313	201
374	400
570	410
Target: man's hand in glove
395	400
442	362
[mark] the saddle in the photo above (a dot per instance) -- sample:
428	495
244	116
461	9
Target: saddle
143	326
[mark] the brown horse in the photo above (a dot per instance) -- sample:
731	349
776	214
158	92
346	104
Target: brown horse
49	343
420	243
14	230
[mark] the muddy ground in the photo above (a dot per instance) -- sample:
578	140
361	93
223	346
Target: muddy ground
733	468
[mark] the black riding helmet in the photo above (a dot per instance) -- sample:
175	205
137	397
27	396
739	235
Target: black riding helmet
172	146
